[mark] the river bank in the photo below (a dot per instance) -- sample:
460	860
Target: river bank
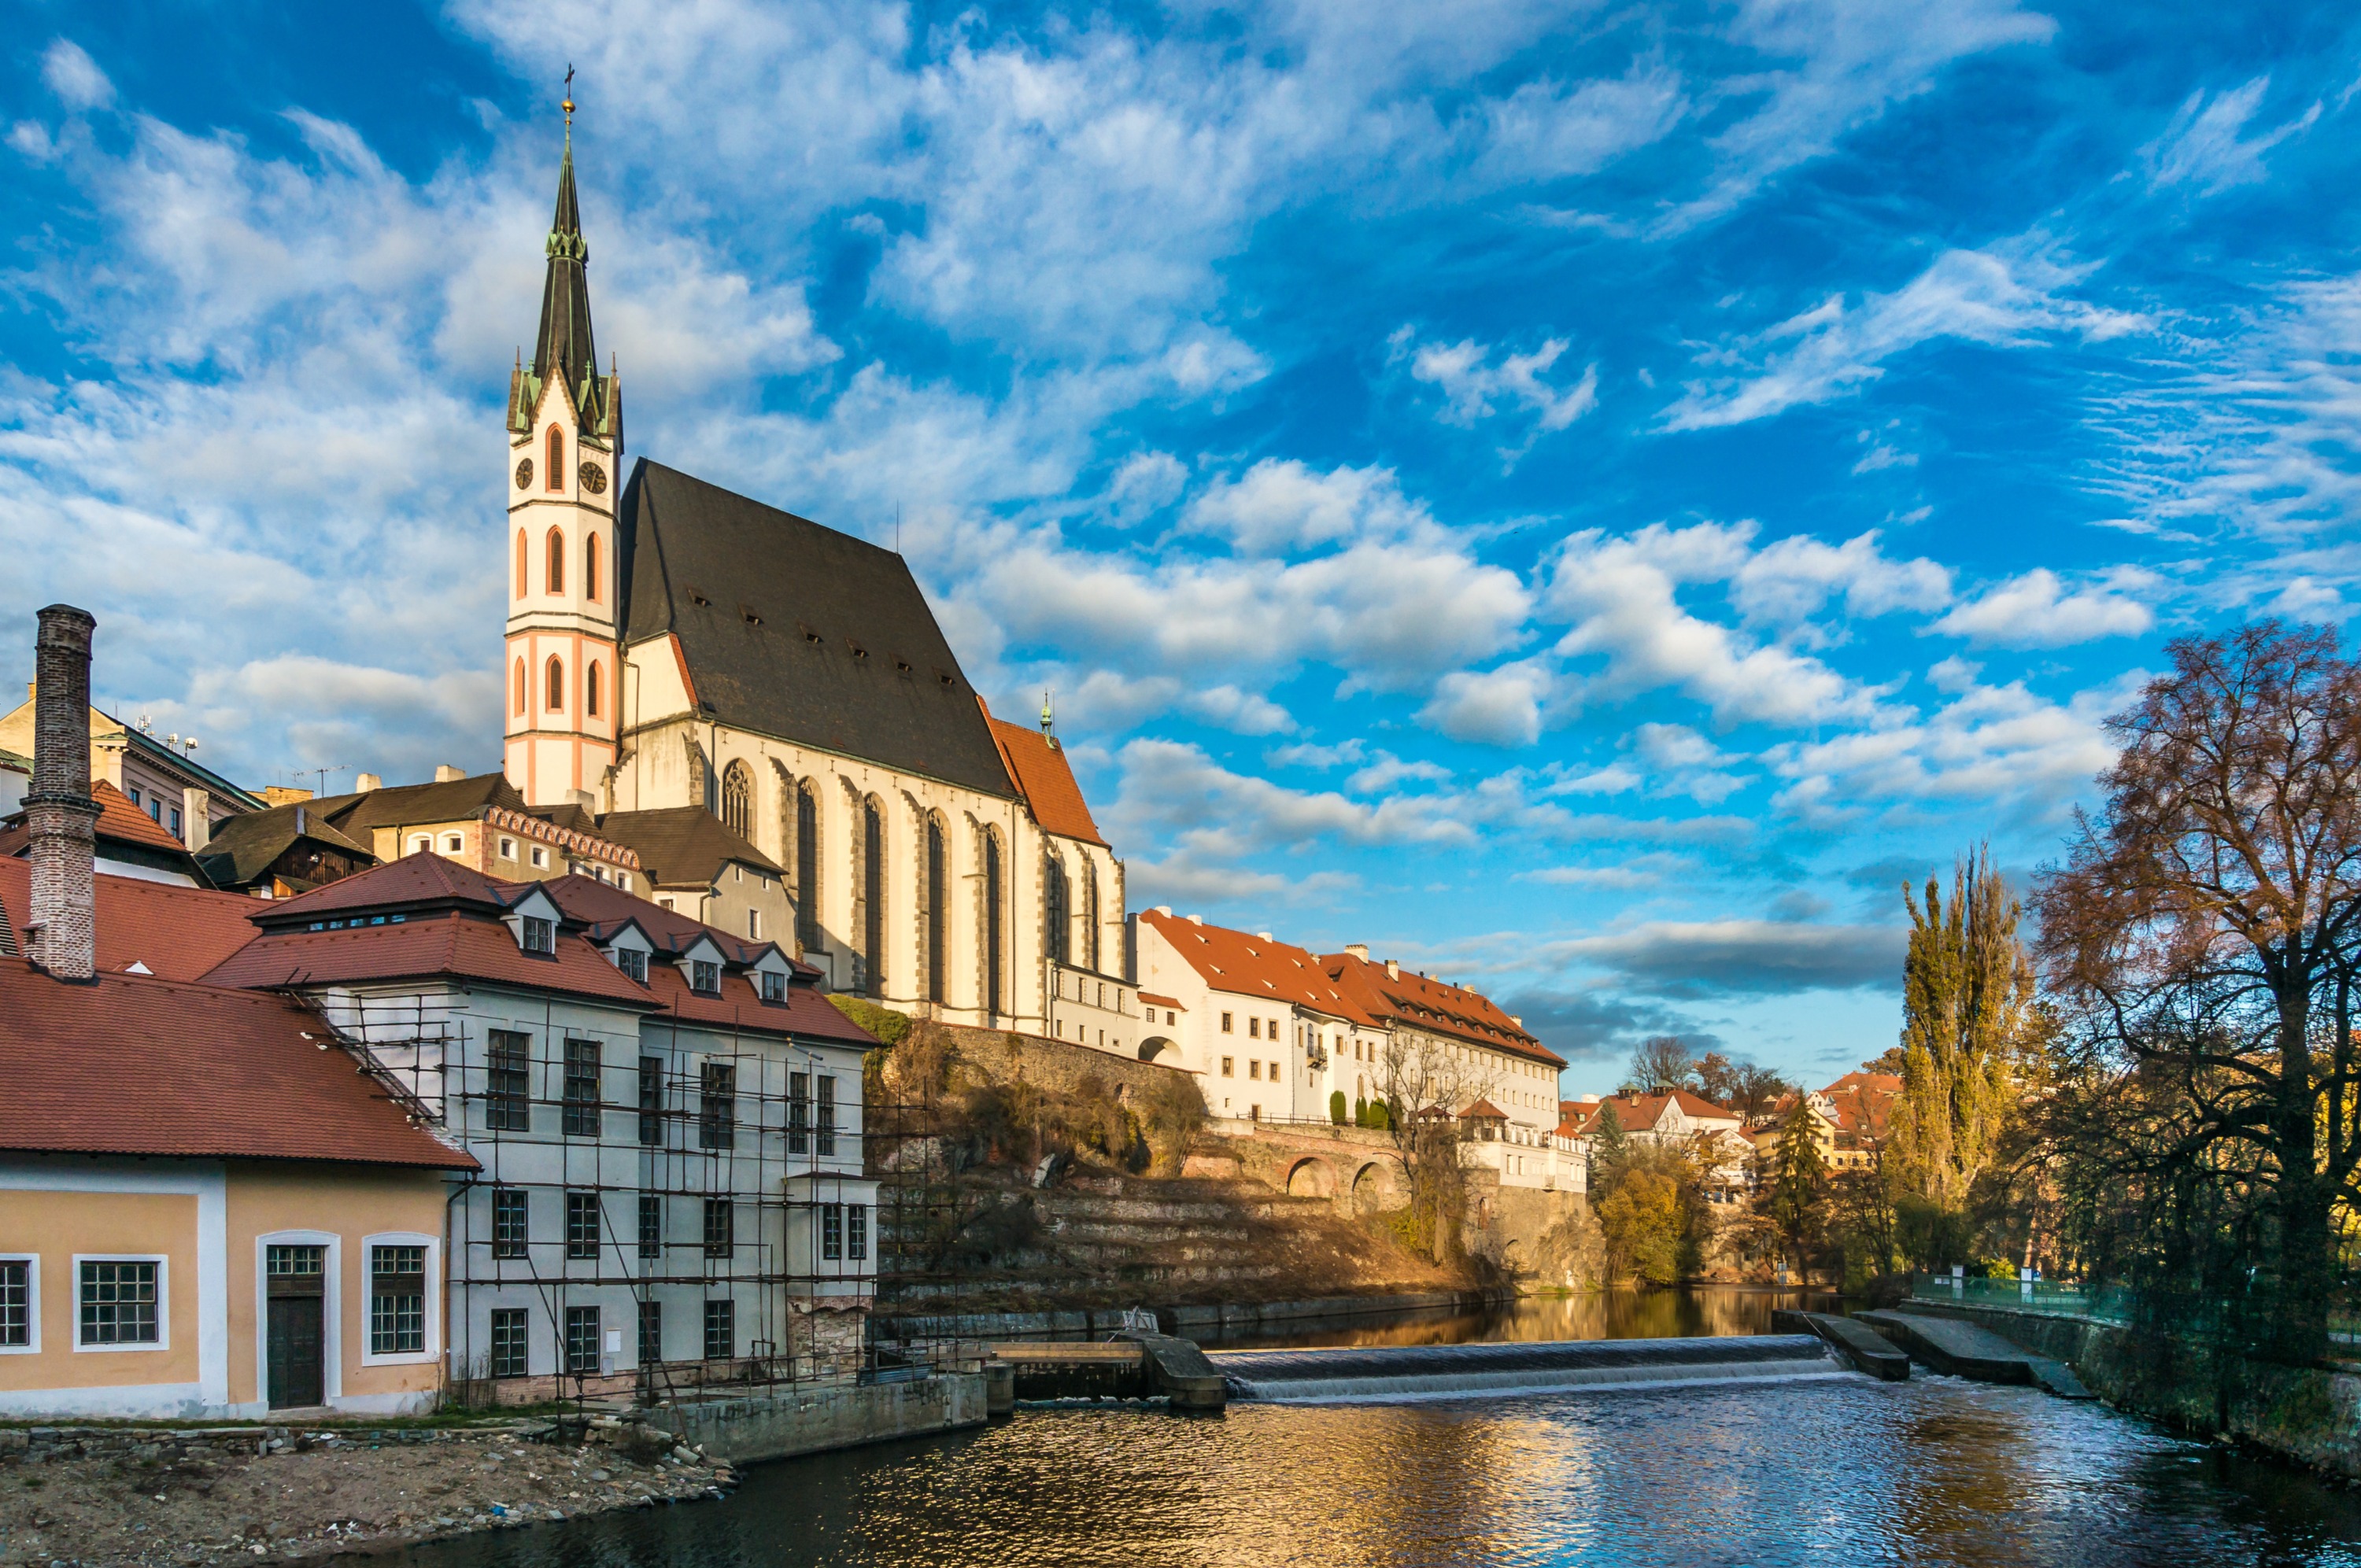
98	1496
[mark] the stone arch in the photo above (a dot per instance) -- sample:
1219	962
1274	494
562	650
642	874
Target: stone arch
1154	1047
1374	1188
1312	1177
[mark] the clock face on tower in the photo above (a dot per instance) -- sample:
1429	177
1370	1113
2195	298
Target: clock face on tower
594	478
524	472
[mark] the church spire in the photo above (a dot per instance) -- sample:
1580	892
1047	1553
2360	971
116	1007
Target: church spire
564	348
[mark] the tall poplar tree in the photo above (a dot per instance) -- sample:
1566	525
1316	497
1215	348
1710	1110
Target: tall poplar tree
1967	1010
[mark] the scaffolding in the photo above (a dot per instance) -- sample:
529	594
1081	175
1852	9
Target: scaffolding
743	1134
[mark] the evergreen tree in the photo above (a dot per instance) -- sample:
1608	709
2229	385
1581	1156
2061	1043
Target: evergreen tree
1799	1181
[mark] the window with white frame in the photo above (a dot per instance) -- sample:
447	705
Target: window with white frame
19	1303
397	1298
421	844
540	856
508	849
119	1301
774	986
453	843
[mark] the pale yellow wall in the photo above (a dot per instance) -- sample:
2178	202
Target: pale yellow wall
354	1203
58	1226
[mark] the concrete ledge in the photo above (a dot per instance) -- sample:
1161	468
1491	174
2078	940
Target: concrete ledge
814	1420
1855	1341
1964	1350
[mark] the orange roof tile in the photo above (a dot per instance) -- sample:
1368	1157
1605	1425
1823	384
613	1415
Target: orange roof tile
1247	965
118	818
1037	765
1434	1005
179	933
129	1064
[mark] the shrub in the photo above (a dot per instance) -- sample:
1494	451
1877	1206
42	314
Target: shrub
1360	1111
887	1025
1336	1106
1172	1113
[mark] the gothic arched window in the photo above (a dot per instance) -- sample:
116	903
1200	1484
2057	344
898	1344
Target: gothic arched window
557	684
556	561
993	938
519	680
556	480
807	867
590	690
590	569
873	892
936	879
1091	914
524	584
1057	896
738	799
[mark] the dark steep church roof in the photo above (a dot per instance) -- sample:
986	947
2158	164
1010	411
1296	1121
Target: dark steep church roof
795	630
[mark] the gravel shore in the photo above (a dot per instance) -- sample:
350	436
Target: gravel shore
170	1503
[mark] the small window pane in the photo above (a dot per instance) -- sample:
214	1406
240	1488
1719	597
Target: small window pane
856	1231
651	1333
720	1330
509	1342
651	1225
16	1302
831	1232
582	1224
508	1102
397	1300
582	1088
118	1303
720	1228
509	1237
582	1339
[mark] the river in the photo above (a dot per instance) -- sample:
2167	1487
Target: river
1829	1472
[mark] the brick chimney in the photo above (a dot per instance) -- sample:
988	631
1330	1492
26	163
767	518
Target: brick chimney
59	811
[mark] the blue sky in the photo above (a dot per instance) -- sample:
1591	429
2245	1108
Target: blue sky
1583	498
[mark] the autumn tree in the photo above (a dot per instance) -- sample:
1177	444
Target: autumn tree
2201	937
1967	1008
1426	1083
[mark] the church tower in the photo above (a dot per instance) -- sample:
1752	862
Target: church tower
565	438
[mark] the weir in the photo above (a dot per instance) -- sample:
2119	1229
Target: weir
1444	1371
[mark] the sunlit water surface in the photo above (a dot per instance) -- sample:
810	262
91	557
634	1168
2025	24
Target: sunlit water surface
1932	1471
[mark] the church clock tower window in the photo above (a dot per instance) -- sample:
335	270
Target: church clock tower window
590	569
557	684
556	561
556	480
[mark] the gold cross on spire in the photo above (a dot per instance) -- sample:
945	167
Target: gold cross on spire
569	104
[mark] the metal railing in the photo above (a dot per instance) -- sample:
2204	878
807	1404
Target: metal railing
2068	1299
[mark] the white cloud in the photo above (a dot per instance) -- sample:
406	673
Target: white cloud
1725	956
1473	388
2034	612
1953	675
1500	706
1795	576
1831	351
68	71
1641	870
2001	748
1309	755
1619	593
1175	794
2203	146
1683	761
1281	507
1387	769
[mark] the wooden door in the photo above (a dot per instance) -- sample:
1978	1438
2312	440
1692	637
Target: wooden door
295	1344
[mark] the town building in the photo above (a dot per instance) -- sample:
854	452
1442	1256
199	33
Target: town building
209	1206
478	821
1259	1021
674	645
160	778
1676	1118
660	1121
126	841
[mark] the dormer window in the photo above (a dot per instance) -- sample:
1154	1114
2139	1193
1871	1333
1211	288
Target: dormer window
774	986
538	936
633	962
705	977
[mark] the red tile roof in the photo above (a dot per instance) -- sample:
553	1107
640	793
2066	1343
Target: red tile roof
1435	1006
1161	1001
1037	765
180	933
1640	1112
740	1006
1247	965
419	877
118	818
140	1066
449	943
603	905
1483	1111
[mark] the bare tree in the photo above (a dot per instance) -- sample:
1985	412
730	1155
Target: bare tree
1661	1065
1427	1082
2203	934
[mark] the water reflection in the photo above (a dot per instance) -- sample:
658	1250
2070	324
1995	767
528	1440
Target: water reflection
1933	1471
1610	1314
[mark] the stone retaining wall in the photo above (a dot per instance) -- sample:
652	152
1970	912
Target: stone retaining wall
1057	1065
812	1421
2311	1414
39	1444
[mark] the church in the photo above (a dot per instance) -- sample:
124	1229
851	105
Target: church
672	645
